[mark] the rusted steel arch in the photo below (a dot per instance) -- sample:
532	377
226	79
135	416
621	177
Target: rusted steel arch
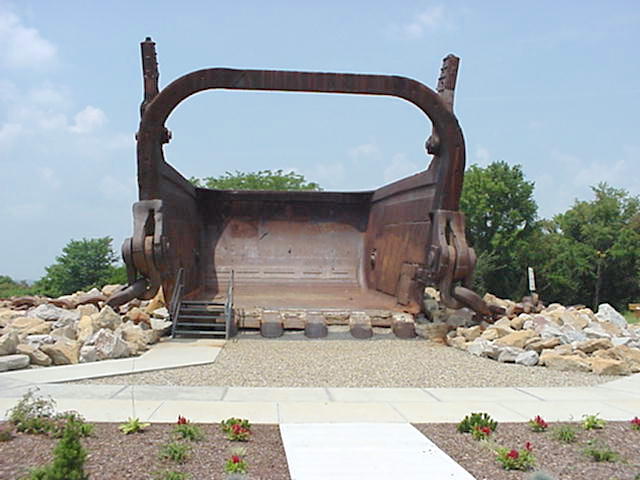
450	151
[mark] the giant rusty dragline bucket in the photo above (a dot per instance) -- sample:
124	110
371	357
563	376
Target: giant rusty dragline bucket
348	250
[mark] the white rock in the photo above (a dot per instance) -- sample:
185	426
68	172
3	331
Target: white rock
606	313
160	324
528	358
509	354
13	362
107	318
109	290
8	343
88	353
621	341
570	334
51	313
108	345
36	356
37	340
481	347
161	313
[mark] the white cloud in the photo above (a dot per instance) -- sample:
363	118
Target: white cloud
8	133
429	20
363	151
23	47
88	119
399	168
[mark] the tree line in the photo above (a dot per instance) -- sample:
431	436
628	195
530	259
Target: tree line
587	255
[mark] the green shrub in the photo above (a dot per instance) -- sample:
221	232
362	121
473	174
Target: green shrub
236	464
61	419
68	457
236	429
175	451
33	413
592	422
512	459
470	422
600	451
133	425
564	433
188	431
6	433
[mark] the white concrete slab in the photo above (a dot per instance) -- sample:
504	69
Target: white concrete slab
68	390
380	395
214	412
495	394
578	393
171	353
365	451
572	410
174	392
453	412
265	394
337	412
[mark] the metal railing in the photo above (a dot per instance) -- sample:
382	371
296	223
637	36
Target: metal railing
228	308
176	298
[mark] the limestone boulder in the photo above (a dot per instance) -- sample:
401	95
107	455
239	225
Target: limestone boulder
163	326
161	313
85	328
434	331
63	352
481	347
494	332
87	309
516	339
550	330
518	322
107	318
575	319
460	318
30	326
8	343
570	334
137	315
457	342
88	353
156	302
540	344
13	362
51	313
631	356
469	334
509	354
565	363
527	358
37	340
608	314
36	356
68	331
134	335
108	345
609	366
109	290
590	346
7	316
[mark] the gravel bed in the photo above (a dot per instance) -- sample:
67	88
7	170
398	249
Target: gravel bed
342	361
561	461
112	455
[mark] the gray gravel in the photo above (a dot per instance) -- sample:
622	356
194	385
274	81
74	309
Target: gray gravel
341	361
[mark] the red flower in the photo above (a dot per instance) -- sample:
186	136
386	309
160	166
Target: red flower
538	419
635	422
182	420
235	459
485	430
513	454
528	446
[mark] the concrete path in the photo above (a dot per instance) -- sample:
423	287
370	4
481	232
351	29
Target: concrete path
318	451
169	353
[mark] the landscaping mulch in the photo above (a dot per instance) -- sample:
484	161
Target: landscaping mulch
561	461
113	455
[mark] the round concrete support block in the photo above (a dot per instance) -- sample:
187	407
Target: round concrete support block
361	331
316	326
271	329
404	329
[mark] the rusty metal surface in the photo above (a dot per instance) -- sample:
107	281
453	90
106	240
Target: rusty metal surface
376	248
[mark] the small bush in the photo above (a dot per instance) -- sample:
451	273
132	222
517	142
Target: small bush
480	433
469	422
236	464
635	424
68	457
175	451
564	433
236	429
600	451
170	475
33	413
133	425
592	422
60	420
188	431
6	433
512	459
537	424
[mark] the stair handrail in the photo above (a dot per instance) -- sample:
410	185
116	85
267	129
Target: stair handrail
176	298
228	307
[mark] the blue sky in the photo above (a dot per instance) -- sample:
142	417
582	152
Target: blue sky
552	86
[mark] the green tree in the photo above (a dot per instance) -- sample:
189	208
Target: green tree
601	249
85	263
10	287
500	218
260	180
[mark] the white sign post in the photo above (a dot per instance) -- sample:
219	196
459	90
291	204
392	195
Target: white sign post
532	279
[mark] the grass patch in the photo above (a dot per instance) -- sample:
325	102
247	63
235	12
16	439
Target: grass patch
630	317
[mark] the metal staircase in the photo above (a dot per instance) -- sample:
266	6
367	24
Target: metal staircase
201	318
